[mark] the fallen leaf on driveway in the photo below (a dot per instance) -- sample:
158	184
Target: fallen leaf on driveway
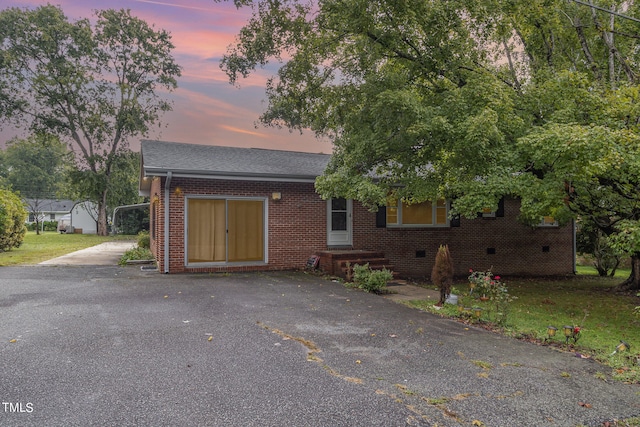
393	335
210	338
13	340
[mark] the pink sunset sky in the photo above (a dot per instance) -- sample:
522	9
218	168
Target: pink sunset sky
207	109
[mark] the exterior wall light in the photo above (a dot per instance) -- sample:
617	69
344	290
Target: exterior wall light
276	196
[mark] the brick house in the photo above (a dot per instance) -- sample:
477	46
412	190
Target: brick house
240	209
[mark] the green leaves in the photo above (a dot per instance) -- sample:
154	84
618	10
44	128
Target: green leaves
12	218
465	99
94	87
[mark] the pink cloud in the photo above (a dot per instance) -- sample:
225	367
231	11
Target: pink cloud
207	109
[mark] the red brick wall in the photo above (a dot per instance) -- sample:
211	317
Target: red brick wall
296	223
518	248
297	229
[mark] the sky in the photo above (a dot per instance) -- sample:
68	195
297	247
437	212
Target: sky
207	109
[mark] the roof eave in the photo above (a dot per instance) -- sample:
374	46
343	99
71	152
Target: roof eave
177	173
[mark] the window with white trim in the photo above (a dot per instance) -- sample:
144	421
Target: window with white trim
548	221
425	214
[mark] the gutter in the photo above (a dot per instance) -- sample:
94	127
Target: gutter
240	176
167	195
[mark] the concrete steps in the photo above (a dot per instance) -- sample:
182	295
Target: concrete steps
338	263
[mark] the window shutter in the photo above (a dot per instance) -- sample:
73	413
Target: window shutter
381	217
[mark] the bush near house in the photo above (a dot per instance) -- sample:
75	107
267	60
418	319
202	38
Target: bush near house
371	280
47	226
12	218
141	252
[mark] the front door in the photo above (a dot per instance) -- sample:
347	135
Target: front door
339	212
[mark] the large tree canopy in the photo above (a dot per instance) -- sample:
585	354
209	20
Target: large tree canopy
465	99
36	168
93	86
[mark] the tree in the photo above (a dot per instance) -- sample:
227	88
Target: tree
123	189
93	86
592	241
12	218
465	99
35	168
442	273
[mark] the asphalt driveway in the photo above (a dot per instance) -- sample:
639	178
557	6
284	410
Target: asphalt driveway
119	346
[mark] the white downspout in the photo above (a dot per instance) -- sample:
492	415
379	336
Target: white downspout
167	195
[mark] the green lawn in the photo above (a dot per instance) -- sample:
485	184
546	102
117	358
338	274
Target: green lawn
589	270
588	301
50	244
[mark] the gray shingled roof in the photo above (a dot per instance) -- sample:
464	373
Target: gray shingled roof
160	157
51	205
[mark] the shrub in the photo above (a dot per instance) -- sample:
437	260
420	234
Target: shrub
371	280
50	226
12	218
442	272
46	225
136	254
144	240
360	273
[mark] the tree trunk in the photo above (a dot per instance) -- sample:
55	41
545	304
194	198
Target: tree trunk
633	282
102	215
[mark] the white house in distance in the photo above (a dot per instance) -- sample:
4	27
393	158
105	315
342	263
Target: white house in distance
74	217
80	219
47	209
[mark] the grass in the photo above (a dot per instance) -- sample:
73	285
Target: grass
621	273
36	248
588	301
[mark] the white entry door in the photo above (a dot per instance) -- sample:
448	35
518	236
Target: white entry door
339	213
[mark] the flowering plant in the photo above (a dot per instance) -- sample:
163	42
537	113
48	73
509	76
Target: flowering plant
483	281
576	333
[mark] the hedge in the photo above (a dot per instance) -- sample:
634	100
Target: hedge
12	217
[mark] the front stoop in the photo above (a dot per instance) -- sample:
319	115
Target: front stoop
335	262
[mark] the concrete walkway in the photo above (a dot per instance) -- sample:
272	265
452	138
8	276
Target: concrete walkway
108	253
403	291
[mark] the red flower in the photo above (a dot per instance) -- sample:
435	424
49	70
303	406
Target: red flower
497	277
576	330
